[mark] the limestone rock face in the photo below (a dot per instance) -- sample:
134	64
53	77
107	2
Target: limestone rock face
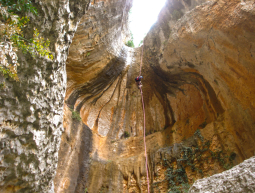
198	86
238	179
31	110
74	159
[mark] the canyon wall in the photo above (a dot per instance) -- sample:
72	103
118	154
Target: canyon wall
198	90
31	109
198	86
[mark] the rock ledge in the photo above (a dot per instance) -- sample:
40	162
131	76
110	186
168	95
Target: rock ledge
240	178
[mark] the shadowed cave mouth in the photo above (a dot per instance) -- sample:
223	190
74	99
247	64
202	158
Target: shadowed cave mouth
142	16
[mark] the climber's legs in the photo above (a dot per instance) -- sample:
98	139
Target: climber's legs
139	84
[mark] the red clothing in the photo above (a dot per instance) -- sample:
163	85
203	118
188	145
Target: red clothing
138	78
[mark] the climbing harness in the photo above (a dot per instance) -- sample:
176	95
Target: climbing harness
148	181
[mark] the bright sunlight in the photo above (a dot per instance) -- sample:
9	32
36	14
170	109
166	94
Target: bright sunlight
143	15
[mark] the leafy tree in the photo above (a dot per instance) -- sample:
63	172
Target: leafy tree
19	6
130	43
12	37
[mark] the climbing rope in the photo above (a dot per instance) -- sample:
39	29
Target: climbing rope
147	170
145	143
141	62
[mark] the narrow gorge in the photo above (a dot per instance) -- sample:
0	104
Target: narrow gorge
75	123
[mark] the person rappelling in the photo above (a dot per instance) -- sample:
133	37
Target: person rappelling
138	81
139	84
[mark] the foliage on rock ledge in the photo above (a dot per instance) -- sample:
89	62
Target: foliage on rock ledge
75	115
192	159
12	36
130	43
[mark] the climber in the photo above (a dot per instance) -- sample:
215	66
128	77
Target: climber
138	81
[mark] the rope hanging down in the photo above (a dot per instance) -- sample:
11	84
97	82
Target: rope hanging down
148	181
141	62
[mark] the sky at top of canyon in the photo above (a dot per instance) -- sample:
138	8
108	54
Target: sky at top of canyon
143	15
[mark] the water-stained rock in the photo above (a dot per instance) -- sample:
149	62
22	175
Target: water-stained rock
197	68
198	87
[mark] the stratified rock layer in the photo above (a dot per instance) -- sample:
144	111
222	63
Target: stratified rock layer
97	51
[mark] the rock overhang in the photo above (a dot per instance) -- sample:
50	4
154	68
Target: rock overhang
198	66
185	85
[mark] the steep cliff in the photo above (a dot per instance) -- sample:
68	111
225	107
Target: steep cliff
31	110
199	97
198	68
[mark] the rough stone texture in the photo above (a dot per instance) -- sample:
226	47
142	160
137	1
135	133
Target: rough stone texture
97	51
198	74
76	144
241	178
31	110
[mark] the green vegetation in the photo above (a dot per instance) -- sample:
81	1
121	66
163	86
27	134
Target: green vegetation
86	190
88	54
126	134
194	158
199	135
130	43
19	6
12	36
2	85
177	179
76	115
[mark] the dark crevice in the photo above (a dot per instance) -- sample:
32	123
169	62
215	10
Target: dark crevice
108	75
